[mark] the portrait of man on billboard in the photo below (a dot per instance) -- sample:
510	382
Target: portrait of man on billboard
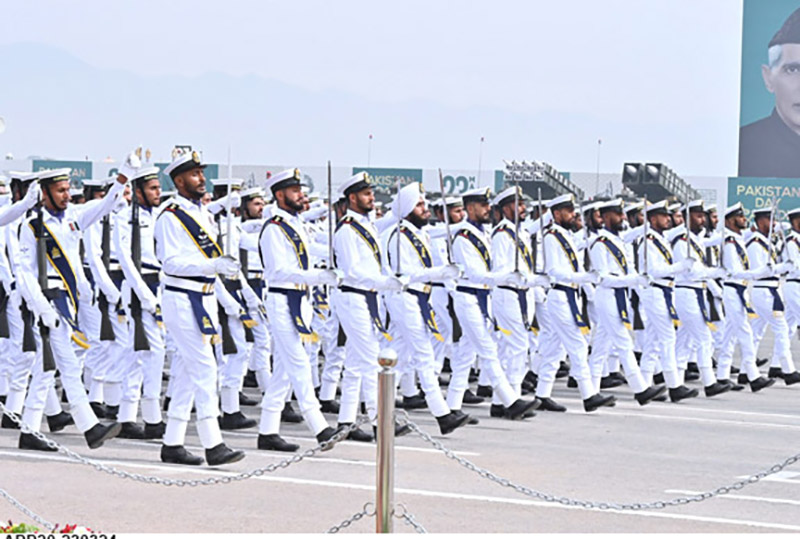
770	146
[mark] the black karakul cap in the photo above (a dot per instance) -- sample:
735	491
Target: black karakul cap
789	32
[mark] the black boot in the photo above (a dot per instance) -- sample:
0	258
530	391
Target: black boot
760	383
471	398
357	435
417	402
250	379
177	454
222	454
326	435
531	378
775	372
473	376
29	441
742	378
8	423
597	400
677	394
288	415
658	378
329	407
549	405
649	394
572	383
244	400
691	376
761	362
618	376
399	430
734	387
154	431
99	409
131	431
98	434
472	419
166	408
520	409
497	410
59	421
450	422
563	370
485	391
236	421
112	411
716	388
608	382
273	442
791	378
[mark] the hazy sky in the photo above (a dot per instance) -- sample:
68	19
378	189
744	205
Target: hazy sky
619	61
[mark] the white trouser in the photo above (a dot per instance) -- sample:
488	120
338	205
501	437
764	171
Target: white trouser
261	350
444	348
694	341
613	339
290	371
560	333
360	379
194	370
659	330
413	344
737	330
477	331
512	347
763	302
334	354
121	361
717	336
233	367
144	379
42	382
17	362
97	359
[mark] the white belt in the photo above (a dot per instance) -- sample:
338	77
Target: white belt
188	284
664	282
470	284
290	286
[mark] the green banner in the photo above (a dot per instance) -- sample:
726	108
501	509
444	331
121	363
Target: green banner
756	193
81	170
385	179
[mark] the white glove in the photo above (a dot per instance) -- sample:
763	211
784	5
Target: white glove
718	273
232	309
760	273
640	281
715	289
32	196
393	284
112	295
539	295
538	280
226	265
783	268
328	277
587	278
149	303
589	291
514	279
130	166
220	204
251	298
49	317
446	273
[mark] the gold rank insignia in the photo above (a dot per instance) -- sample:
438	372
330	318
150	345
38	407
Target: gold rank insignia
206	322
195	157
56	252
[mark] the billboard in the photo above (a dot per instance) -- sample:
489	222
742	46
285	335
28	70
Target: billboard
756	193
769	118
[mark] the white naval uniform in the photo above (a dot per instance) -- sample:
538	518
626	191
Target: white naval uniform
66	227
187	270
561	331
736	300
281	259
694	343
659	330
412	340
261	349
612	335
361	265
477	326
791	289
768	301
507	302
144	379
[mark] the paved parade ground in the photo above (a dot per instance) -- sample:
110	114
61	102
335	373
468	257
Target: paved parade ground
626	454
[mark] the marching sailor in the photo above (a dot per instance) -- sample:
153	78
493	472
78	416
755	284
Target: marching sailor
191	259
284	247
60	226
471	252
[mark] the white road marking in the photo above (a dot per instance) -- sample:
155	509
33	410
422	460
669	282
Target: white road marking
419	492
777	501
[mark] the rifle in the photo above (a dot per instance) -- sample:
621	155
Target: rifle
248	332
140	342
399	222
330	219
446	217
541	230
106	329
516	222
48	360
644	238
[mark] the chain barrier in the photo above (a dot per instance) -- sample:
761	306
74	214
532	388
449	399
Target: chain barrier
16	503
367	511
153	480
407	518
403	418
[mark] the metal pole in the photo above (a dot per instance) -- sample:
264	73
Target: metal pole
384	485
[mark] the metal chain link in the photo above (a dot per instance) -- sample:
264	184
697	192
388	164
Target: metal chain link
486	474
153	480
408	518
367	511
16	503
